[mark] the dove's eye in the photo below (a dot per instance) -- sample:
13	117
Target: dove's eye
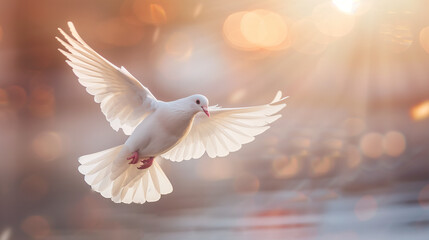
198	101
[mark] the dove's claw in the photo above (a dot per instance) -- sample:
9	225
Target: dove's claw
146	163
134	158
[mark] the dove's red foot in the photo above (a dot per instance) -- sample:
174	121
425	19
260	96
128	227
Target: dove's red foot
146	163
134	158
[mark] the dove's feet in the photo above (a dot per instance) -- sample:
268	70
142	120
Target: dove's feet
134	158
146	163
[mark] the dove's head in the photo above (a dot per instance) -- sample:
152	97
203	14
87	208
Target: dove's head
200	103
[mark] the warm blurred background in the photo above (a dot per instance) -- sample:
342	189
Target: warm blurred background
348	160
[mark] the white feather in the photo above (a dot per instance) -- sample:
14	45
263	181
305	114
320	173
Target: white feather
226	130
121	95
176	130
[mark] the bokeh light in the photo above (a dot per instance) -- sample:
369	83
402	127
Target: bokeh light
371	145
396	38
321	166
257	29
36	227
263	28
237	95
155	12
420	111
6	234
423	197
347	6
284	167
332	22
47	146
197	10
233	34
353	7
424	38
4	98
366	208
394	143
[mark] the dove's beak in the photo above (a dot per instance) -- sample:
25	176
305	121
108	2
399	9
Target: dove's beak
206	111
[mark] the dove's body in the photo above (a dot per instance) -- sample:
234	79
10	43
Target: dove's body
157	133
177	130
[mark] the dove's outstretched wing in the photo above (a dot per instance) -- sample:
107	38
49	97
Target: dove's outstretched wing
124	100
226	130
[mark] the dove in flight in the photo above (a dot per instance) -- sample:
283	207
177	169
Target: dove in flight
178	130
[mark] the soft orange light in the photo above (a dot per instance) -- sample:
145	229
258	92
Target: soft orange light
47	146
322	166
347	6
371	145
334	143
366	208
284	167
420	111
394	143
300	197
238	95
396	38
424	38
424	197
197	10
258	29
232	33
263	28
353	7
332	22
154	12
4	98
158	14
36	227
301	142
179	45
155	35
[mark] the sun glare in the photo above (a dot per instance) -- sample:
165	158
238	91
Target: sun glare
347	6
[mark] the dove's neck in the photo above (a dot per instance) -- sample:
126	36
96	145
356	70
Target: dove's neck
183	108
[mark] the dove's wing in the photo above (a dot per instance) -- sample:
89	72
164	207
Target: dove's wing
226	130
124	100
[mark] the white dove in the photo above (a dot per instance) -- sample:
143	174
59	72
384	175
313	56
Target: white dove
178	130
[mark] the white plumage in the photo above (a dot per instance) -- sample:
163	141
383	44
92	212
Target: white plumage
177	130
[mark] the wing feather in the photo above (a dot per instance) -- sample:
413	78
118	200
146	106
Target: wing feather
226	130
123	99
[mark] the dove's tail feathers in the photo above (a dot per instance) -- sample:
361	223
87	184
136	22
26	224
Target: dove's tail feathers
131	186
